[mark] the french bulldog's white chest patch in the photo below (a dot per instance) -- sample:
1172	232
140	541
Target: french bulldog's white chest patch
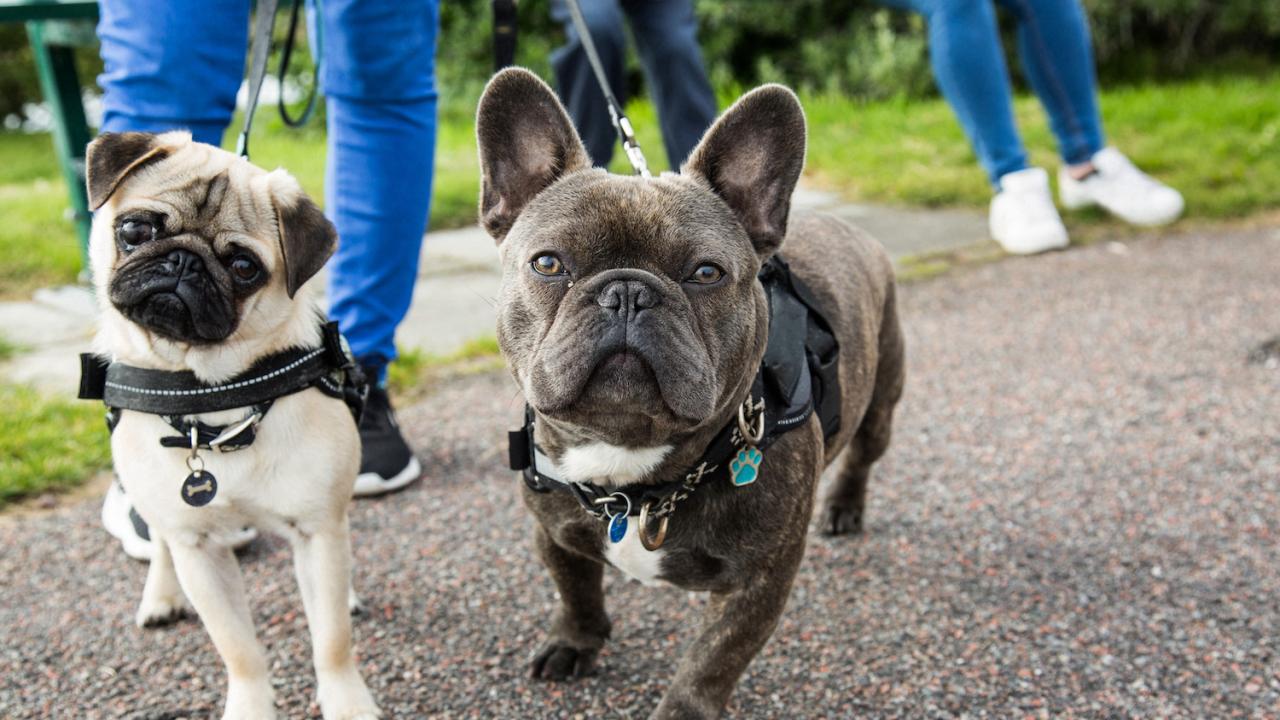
630	557
601	460
615	465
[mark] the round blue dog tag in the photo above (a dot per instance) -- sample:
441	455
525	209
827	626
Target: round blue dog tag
617	528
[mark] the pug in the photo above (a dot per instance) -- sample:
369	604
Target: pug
635	319
202	264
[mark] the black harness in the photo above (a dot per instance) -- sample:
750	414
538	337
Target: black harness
797	377
173	396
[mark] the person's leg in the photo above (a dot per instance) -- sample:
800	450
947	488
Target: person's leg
969	67
378	75
1053	41
666	34
171	64
576	84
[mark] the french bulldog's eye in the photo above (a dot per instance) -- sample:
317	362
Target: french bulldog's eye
133	233
548	264
706	275
244	269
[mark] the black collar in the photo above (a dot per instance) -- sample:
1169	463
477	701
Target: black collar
173	395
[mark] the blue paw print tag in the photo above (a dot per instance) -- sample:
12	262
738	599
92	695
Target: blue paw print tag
744	468
617	528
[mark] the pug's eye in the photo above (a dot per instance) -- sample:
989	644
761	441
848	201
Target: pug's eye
706	274
549	265
133	233
244	269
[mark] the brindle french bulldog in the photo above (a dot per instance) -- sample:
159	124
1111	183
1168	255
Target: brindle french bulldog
632	318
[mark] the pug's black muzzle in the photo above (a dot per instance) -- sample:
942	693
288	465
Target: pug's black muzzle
177	294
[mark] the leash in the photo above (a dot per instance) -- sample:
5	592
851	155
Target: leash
264	22
620	122
505	27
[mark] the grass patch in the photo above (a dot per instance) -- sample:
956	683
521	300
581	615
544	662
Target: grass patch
414	369
1215	139
47	444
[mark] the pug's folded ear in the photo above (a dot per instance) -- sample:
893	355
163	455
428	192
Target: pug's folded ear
307	238
112	157
526	143
752	157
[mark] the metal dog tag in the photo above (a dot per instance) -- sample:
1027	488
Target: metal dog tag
617	528
199	488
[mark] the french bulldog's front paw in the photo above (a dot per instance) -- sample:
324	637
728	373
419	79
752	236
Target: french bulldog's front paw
158	612
560	661
842	521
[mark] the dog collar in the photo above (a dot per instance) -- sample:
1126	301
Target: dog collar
797	376
175	396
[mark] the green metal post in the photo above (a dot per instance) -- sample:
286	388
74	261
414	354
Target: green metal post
60	84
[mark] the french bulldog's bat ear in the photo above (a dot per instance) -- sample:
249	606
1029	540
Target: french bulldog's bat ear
307	238
526	143
752	157
111	157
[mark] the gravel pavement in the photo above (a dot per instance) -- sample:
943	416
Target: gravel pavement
1078	518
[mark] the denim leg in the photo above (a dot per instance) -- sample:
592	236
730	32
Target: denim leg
969	67
378	75
172	64
576	83
1053	40
666	34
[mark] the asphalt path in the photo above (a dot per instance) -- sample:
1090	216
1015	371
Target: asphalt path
1078	518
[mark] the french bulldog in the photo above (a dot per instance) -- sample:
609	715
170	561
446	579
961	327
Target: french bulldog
201	263
632	318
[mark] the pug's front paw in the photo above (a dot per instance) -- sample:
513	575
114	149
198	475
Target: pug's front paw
561	661
161	611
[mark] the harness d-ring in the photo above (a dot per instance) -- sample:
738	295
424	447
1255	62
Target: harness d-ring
751	435
655	541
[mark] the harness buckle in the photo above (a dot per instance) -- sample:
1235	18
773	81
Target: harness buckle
231	433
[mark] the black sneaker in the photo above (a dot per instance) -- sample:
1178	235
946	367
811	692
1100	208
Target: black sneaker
386	462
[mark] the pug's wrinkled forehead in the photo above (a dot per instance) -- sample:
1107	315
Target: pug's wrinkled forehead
149	186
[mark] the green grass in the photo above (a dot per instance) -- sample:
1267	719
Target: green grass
46	444
414	368
1217	140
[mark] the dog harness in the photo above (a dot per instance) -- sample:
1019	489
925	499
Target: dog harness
174	396
797	377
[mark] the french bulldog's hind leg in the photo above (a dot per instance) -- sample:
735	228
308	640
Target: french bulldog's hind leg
323	564
581	625
210	576
846	499
162	600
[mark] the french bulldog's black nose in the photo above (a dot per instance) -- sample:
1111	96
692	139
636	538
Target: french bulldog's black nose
182	262
627	297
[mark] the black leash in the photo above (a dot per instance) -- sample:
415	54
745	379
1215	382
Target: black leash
264	22
505	27
620	121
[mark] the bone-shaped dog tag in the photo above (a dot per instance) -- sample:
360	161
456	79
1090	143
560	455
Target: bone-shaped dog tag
199	488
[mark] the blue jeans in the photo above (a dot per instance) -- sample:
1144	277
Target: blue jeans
173	64
1053	42
666	33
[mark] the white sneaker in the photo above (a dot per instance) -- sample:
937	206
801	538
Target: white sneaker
1121	189
1023	218
126	525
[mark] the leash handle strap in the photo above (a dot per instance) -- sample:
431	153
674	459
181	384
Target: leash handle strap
620	122
505	33
264	21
